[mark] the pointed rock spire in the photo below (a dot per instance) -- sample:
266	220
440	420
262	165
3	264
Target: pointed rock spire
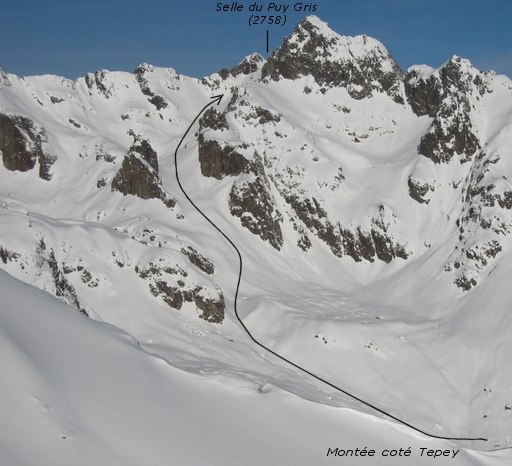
361	64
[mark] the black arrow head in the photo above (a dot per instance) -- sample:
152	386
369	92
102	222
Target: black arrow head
217	98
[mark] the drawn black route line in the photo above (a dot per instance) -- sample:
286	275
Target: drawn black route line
216	99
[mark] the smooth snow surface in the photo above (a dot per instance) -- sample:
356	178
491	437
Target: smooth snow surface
81	392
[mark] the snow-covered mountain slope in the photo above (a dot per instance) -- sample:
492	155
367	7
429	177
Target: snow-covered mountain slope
372	209
81	392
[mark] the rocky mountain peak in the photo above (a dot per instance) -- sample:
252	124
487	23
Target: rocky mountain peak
248	65
426	87
361	64
4	79
449	95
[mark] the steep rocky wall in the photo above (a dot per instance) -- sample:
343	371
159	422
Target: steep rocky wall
21	145
138	175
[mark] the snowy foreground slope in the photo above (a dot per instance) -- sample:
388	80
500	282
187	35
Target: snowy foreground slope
76	391
373	212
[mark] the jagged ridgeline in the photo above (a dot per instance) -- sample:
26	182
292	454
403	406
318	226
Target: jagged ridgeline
327	145
367	152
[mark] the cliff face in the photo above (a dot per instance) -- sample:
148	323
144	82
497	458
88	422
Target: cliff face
21	145
138	175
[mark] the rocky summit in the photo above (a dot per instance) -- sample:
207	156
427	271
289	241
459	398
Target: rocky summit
372	208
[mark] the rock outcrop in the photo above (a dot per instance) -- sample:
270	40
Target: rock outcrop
172	284
253	203
140	75
219	160
138	175
444	96
21	145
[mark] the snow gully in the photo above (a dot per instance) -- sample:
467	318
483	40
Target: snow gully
216	100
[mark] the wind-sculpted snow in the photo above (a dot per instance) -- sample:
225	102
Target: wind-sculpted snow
373	210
